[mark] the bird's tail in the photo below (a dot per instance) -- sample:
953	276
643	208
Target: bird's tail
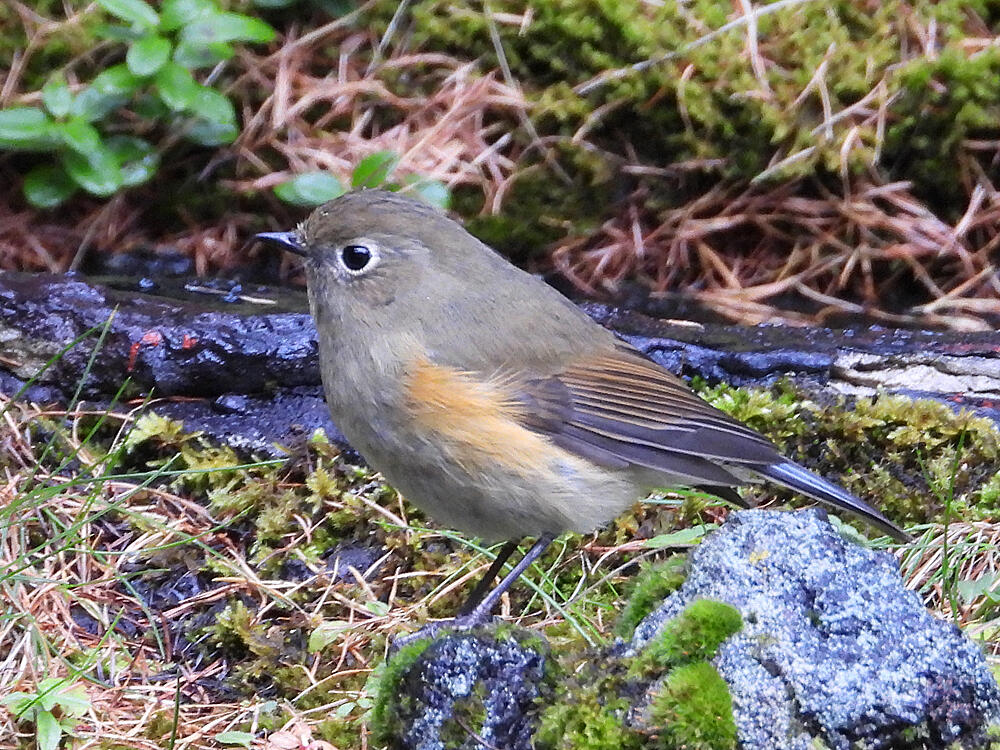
794	477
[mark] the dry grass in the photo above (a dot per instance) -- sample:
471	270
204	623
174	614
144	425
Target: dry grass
863	253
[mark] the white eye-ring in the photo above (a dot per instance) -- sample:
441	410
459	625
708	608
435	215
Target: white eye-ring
358	257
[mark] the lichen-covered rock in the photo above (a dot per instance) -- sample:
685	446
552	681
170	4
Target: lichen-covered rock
784	636
465	691
833	647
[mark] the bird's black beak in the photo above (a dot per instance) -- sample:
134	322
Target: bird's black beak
288	240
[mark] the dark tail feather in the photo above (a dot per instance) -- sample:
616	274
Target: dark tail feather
796	478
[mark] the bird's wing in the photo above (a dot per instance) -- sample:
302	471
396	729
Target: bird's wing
624	409
620	409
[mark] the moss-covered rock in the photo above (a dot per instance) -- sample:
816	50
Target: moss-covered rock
461	690
386	718
657	698
694	635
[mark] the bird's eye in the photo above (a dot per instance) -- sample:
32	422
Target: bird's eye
356	257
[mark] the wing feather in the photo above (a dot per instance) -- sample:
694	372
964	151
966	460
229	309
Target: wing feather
634	402
620	409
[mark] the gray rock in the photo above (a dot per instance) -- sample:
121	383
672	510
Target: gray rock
833	647
471	691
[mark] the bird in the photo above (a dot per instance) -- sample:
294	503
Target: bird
496	405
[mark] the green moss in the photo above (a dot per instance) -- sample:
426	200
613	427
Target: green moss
597	702
927	454
236	629
586	723
385	721
694	710
649	589
695	634
707	102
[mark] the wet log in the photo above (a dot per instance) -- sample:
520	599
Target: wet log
240	364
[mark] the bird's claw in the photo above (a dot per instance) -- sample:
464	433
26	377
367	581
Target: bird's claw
432	630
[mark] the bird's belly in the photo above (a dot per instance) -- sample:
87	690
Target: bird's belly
485	497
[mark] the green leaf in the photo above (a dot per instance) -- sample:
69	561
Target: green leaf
344	710
116	32
132	11
177	86
26	128
177	13
310	189
215	119
111	89
72	700
48	692
137	159
234	738
679	538
226	27
56	96
47	186
433	192
117	80
98	172
327	632
19	702
48	731
194	56
79	135
373	170
148	55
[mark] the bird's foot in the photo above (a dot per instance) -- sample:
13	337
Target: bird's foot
433	630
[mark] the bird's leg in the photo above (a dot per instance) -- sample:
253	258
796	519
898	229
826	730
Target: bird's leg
470	617
481	612
479	592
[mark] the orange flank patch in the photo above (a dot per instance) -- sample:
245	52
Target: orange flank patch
475	419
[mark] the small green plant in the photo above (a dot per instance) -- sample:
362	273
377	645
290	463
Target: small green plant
314	188
54	709
155	82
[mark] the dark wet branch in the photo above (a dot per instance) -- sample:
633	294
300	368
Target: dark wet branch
246	371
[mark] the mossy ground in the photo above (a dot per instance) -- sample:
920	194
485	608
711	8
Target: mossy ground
243	571
822	101
686	146
916	459
702	101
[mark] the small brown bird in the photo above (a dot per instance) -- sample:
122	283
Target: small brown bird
491	401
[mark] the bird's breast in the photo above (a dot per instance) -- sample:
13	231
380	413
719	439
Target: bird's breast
474	419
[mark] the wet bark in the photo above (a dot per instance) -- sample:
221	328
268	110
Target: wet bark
245	370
